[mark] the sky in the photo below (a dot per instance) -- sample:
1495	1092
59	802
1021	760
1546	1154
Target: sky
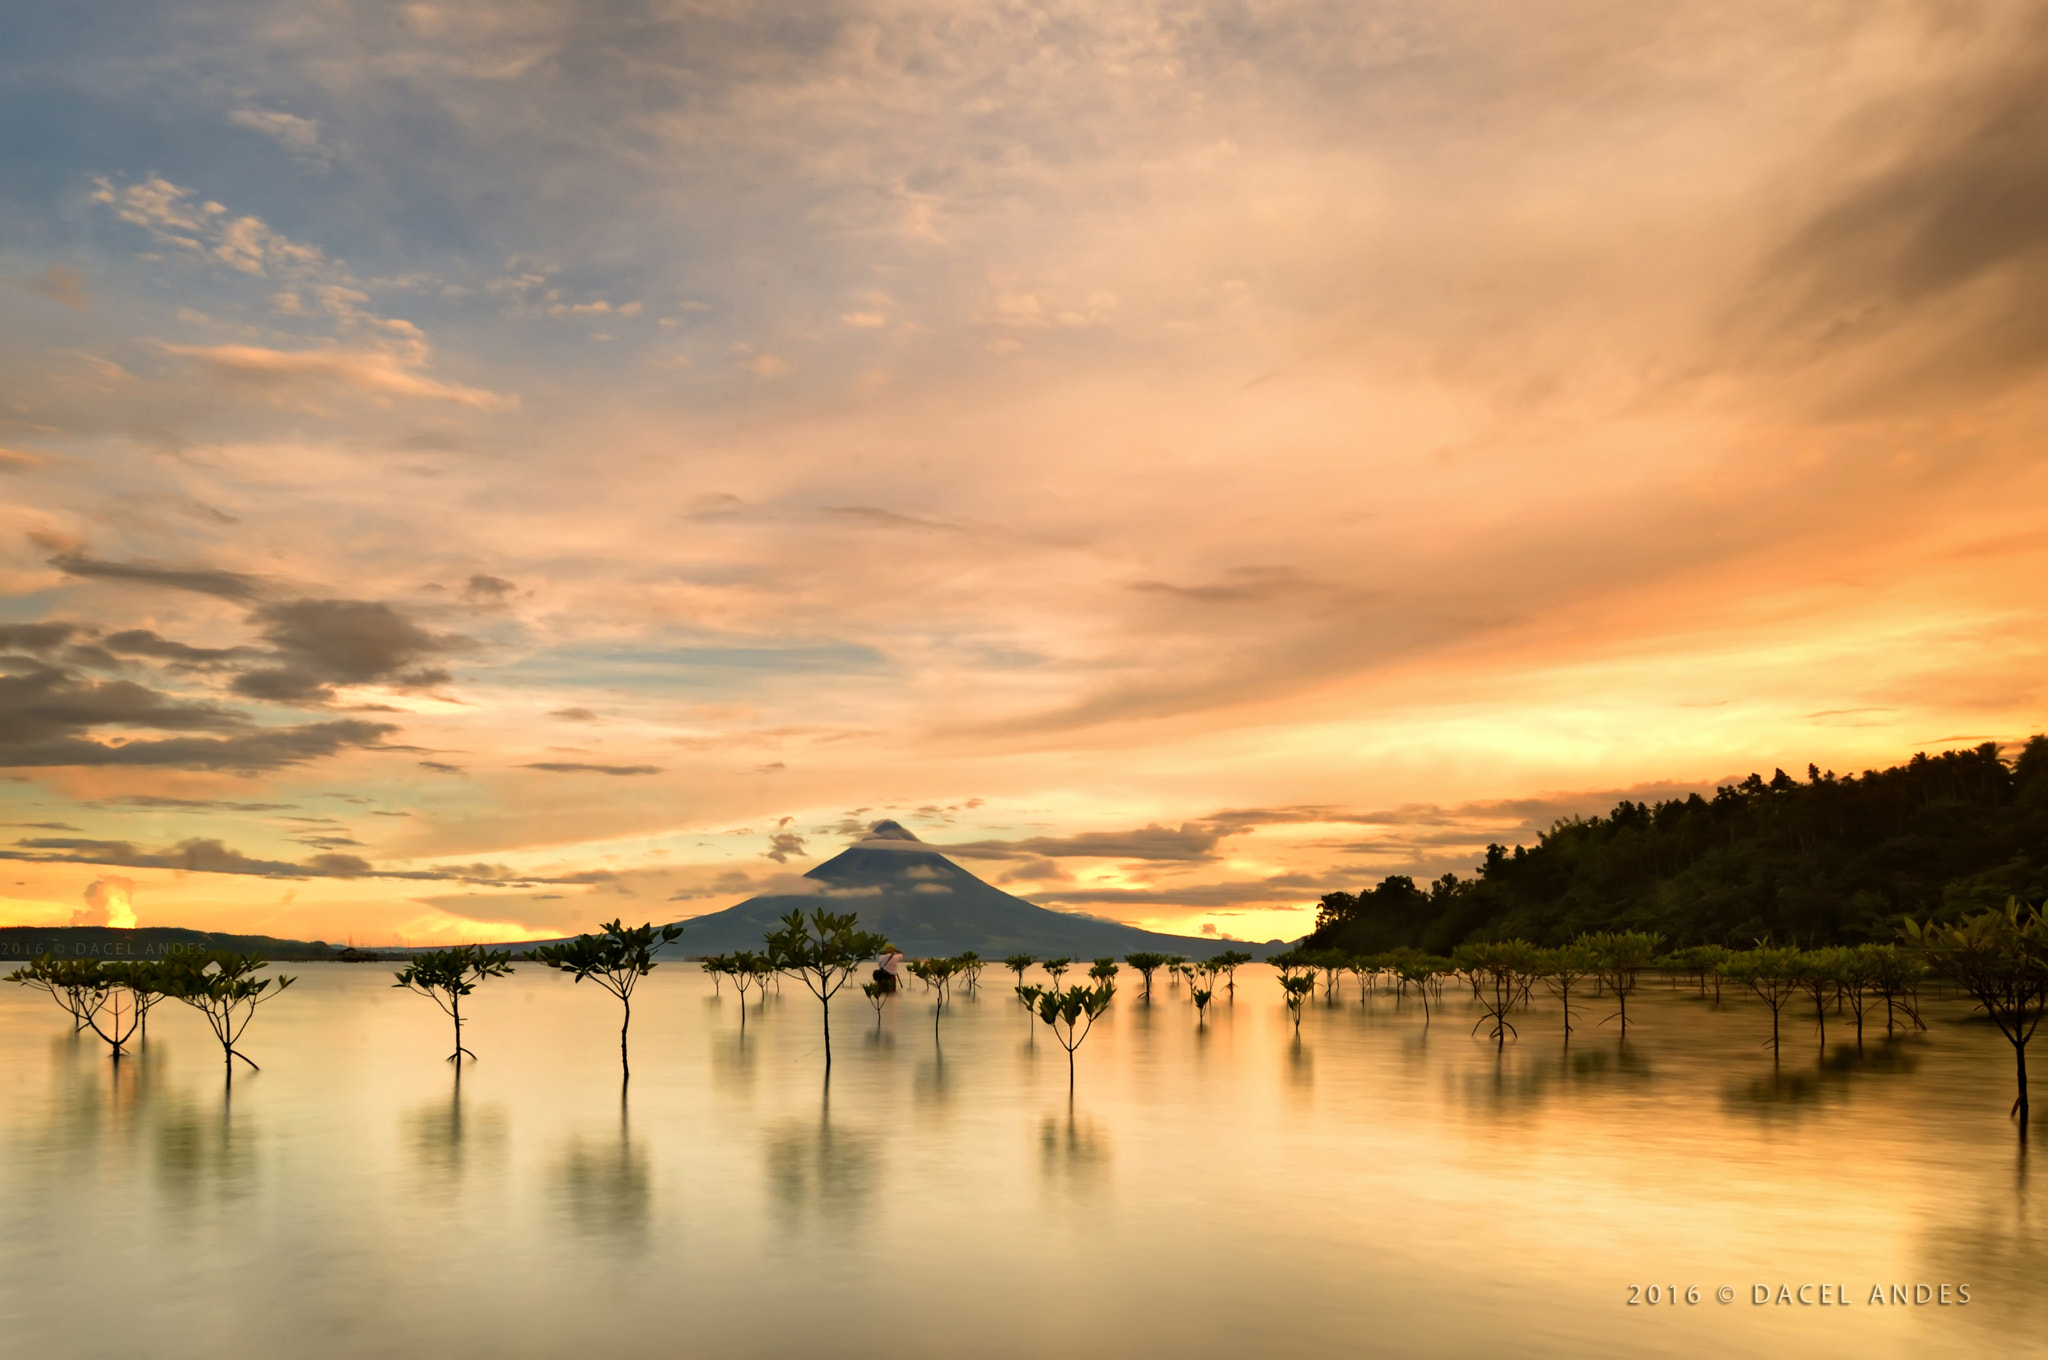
469	471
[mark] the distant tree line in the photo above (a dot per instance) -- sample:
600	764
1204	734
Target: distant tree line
1827	860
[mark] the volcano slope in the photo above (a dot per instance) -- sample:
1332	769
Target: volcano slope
927	905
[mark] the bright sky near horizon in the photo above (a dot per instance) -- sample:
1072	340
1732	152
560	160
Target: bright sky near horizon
471	470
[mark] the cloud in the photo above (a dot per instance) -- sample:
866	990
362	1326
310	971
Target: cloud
487	589
109	901
228	585
300	136
35	637
375	373
783	844
146	642
60	284
324	643
579	767
176	216
203	855
1191	843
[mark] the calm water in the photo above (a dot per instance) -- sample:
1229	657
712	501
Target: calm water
1376	1188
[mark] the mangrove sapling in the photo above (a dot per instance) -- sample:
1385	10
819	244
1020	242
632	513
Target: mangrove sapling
823	951
445	976
1103	970
1176	965
1077	1009
1561	969
1146	965
876	994
616	961
143	981
1056	969
1501	968
1819	975
1297	983
1019	964
1773	974
2000	958
1702	961
1859	976
1202	997
1619	956
74	984
718	965
222	986
748	969
971	965
1422	971
938	975
1229	961
1895	976
1366	969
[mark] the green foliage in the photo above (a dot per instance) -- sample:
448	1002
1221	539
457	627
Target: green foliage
971	965
1146	965
1619	956
1020	964
222	986
74	984
1999	957
1071	1014
1056	969
445	976
1503	972
938	974
1562	969
822	949
1201	997
1771	973
1295	988
1227	963
1823	860
615	960
1103	970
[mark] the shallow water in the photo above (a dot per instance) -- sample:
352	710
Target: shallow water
1379	1186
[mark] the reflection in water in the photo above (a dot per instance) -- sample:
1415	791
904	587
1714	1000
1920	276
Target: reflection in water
940	1186
604	1186
1831	1078
1526	1076
822	1174
1301	1066
1073	1155
445	1135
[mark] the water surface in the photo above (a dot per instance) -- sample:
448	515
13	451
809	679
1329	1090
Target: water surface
1376	1186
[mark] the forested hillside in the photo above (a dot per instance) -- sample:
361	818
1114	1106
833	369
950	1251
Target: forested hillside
1823	860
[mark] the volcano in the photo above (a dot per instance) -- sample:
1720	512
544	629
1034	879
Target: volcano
927	905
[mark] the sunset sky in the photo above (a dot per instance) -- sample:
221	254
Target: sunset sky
471	470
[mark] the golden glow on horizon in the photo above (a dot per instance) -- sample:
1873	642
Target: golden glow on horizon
1292	456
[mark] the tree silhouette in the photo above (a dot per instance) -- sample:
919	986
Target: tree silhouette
2000	958
445	976
822	951
1077	1009
1146	965
222	986
616	961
